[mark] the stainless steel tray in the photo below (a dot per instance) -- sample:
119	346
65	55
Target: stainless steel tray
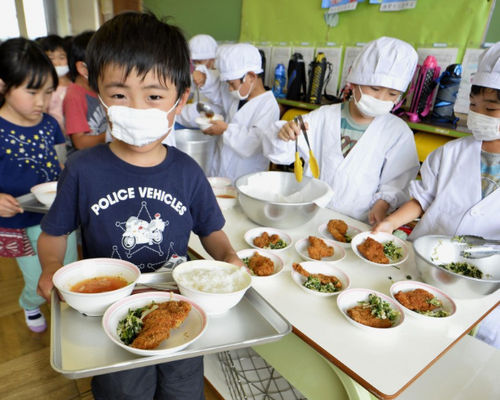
29	203
80	348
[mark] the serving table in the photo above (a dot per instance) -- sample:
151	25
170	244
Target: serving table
385	362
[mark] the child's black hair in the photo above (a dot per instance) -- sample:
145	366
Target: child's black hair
51	43
475	89
140	42
77	52
23	60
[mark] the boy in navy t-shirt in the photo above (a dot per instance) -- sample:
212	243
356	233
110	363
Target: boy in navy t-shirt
134	198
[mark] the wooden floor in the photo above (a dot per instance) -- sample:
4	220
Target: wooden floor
25	371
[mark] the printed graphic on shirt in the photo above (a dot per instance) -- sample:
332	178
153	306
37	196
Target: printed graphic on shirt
96	117
36	153
490	173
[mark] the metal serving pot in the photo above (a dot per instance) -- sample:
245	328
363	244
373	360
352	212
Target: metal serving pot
199	146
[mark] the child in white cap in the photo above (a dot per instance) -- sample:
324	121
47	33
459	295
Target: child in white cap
367	155
205	79
249	111
458	193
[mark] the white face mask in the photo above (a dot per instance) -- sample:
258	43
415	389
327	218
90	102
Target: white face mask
138	127
372	107
483	127
236	93
62	70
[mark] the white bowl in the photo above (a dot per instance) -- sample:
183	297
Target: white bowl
277	261
45	193
338	251
251	234
381	237
407	286
219	181
217	300
190	330
351	231
205	123
349	298
319	267
94	304
227	196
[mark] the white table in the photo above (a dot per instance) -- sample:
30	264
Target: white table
384	363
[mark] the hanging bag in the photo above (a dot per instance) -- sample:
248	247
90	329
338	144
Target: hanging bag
296	89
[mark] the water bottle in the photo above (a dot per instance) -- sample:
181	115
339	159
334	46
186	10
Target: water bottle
279	81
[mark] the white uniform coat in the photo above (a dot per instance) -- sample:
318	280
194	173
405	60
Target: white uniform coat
239	149
450	193
379	166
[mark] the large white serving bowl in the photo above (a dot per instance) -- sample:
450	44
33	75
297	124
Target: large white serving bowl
351	297
190	330
381	237
433	250
319	267
338	251
407	286
94	304
215	285
277	261
45	193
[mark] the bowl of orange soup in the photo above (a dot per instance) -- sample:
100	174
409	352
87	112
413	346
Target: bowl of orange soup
90	286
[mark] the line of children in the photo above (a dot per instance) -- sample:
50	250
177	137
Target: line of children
28	156
84	116
458	193
249	111
140	68
367	155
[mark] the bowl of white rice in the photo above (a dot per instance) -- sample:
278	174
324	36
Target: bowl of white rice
215	285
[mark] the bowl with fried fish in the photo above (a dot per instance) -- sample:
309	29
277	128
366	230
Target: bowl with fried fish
154	323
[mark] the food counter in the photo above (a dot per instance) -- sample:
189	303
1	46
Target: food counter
385	362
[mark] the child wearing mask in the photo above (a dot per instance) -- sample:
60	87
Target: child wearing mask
458	193
249	109
84	116
205	79
367	155
54	47
140	68
28	142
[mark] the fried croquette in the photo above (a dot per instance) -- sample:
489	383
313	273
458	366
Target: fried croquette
373	251
318	249
337	229
265	240
158	323
260	265
324	279
416	300
364	316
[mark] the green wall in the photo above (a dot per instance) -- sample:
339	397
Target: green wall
218	18
493	34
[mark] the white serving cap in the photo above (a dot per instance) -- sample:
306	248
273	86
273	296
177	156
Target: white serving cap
386	62
202	47
235	60
488	69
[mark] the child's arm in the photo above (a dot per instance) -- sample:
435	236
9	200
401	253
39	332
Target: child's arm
378	212
218	246
83	140
9	206
406	213
51	250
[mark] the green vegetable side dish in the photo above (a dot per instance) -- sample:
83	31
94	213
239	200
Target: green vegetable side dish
313	283
129	327
348	238
380	308
437	312
246	261
463	268
280	244
393	252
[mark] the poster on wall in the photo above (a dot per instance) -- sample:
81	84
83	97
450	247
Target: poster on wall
349	56
308	55
333	56
469	67
444	56
336	6
279	55
397	5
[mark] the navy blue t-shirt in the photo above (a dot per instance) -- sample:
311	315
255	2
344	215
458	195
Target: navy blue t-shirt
27	158
139	214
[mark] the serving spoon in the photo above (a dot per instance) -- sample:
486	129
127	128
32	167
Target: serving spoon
202	107
313	163
477	246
